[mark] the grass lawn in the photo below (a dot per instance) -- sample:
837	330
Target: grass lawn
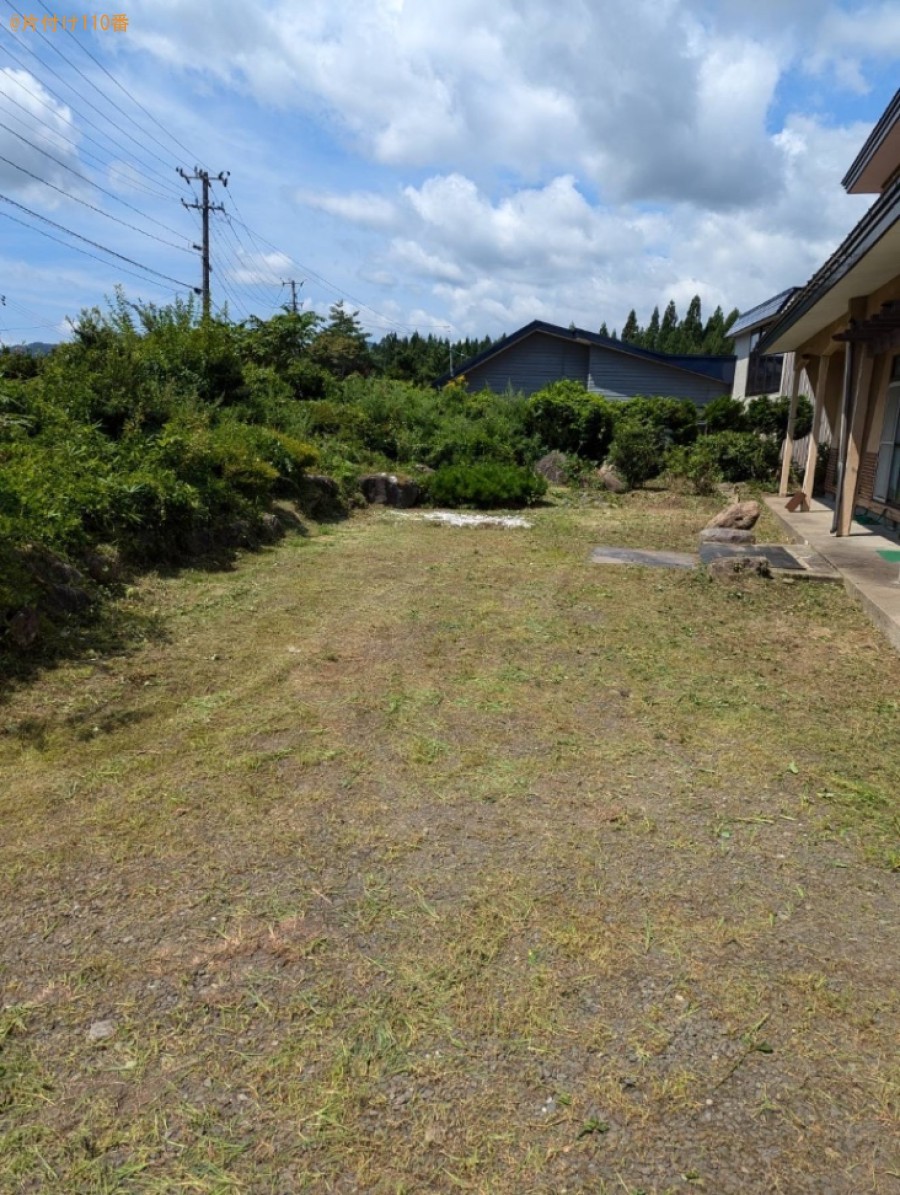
413	858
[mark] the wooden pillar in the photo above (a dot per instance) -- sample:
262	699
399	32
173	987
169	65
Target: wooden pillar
856	428
809	477
792	419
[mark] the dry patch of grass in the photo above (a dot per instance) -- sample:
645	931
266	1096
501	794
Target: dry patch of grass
418	858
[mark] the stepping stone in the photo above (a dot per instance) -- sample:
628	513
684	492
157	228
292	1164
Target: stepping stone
777	556
639	556
795	560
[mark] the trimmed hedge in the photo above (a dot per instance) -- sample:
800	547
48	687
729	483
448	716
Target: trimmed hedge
485	485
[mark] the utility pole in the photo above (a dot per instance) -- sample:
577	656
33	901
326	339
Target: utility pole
205	207
293	285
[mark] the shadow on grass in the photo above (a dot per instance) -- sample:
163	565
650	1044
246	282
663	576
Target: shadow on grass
106	630
103	631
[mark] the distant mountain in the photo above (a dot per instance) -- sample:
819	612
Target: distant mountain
37	348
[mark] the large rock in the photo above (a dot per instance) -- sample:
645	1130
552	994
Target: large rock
270	528
610	480
553	467
48	568
62	583
24	627
735	568
387	489
726	535
740	515
103	564
320	496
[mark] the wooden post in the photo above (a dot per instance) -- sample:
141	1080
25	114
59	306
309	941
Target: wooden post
809	477
854	441
792	419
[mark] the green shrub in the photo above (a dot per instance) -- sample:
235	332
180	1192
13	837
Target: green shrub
725	456
769	416
697	464
675	418
485	485
565	417
744	456
725	414
637	452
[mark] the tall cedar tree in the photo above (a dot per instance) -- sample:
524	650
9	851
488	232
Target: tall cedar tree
631	330
686	336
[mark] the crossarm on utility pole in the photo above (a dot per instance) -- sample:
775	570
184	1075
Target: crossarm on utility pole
205	207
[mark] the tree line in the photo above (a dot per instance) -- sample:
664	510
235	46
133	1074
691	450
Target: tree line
689	336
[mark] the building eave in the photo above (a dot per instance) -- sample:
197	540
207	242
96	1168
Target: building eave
877	160
866	259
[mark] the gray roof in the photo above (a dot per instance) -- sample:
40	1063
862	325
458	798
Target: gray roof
706	366
761	312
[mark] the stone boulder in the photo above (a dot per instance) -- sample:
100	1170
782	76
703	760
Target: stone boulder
726	535
741	516
320	496
553	467
270	528
610	480
736	568
103	564
386	489
24	626
63	585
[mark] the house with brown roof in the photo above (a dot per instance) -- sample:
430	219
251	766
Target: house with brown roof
843	328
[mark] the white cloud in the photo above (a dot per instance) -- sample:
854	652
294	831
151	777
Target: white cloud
266	268
524	159
357	207
549	253
644	97
844	39
37	126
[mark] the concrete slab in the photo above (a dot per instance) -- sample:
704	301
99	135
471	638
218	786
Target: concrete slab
639	556
794	562
777	556
866	574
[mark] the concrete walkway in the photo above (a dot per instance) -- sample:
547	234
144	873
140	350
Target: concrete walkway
868	576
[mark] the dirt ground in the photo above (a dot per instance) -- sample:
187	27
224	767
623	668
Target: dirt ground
418	858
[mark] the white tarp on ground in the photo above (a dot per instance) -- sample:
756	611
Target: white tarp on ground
453	519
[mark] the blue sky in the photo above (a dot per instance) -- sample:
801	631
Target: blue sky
442	164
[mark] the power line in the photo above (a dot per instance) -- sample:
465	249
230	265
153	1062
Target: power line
139	183
87	120
122	88
235	256
94	207
320	278
233	283
88	241
75	248
84	178
83	98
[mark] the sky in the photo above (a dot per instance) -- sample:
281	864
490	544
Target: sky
449	166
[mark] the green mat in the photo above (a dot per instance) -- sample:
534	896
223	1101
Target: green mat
892	555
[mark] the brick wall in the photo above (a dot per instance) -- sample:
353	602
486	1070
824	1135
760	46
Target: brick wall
830	485
867	466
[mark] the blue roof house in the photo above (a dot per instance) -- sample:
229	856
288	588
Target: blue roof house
541	353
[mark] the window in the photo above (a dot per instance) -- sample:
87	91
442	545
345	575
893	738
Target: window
887	475
763	374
